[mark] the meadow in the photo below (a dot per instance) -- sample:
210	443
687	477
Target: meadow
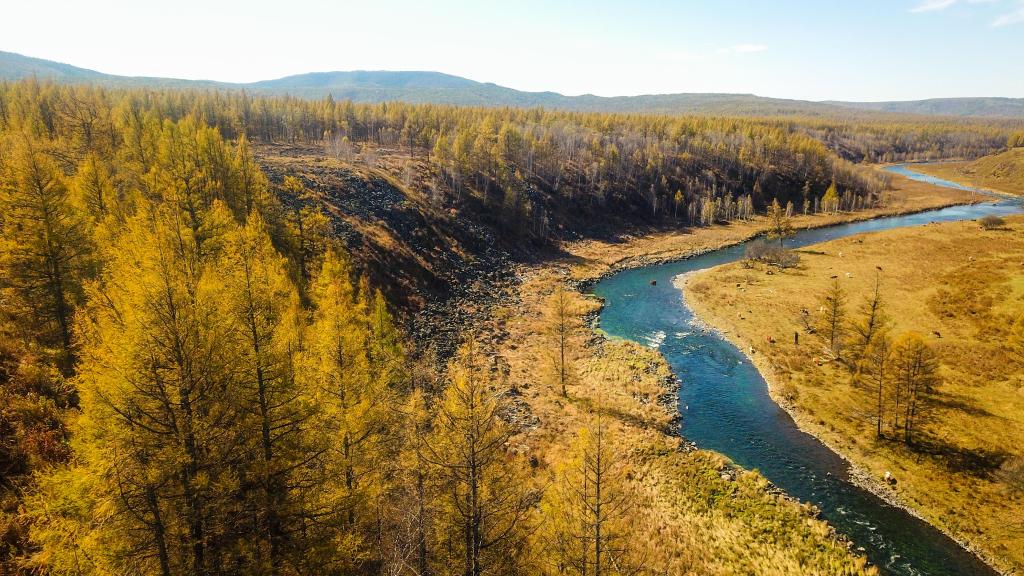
960	287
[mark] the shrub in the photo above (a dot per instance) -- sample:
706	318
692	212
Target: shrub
770	253
992	222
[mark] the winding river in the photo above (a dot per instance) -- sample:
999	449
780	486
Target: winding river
726	407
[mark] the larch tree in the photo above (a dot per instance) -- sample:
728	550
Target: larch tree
413	505
263	307
871	321
562	325
780	223
385	352
43	247
832	324
916	367
94	190
354	406
877	362
158	438
830	201
308	229
587	511
487	502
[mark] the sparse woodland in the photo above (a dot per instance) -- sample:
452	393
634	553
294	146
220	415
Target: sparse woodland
912	373
195	378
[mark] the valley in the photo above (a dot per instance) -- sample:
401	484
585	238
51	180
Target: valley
406	323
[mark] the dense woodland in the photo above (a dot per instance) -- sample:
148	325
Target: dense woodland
196	379
526	164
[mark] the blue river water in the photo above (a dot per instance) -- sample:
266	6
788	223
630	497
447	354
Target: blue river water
726	407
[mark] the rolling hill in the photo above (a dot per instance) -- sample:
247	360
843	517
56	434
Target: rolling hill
440	88
968	107
1003	172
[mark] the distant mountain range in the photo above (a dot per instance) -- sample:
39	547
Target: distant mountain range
439	88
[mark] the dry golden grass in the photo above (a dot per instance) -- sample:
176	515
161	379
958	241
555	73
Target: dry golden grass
692	519
1002	172
687	518
957	284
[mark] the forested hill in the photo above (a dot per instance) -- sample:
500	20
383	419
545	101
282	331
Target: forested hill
439	88
966	107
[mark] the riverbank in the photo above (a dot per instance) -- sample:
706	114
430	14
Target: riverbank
959	300
708	516
593	259
1001	173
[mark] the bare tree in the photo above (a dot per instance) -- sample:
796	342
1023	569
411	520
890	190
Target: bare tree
871	322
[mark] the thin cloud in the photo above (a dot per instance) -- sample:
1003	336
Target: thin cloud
932	5
1014	17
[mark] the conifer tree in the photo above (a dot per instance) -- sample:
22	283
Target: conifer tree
833	318
487	502
308	229
355	407
43	246
158	437
871	322
780	223
562	324
916	376
263	308
830	201
587	511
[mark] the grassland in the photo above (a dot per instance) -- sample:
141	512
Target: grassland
1000	172
695	511
961	287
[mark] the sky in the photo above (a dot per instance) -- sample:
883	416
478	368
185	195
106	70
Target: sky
806	49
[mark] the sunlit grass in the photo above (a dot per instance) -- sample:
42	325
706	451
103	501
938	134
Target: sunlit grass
961	287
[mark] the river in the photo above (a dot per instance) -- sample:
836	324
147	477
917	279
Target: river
725	404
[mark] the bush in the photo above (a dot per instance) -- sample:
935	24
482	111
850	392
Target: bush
771	253
992	222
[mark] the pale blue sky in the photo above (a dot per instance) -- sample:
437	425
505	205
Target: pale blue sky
820	49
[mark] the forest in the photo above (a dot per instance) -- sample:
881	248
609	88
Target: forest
527	165
196	377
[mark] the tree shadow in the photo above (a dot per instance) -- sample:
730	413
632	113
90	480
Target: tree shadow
977	462
959	405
